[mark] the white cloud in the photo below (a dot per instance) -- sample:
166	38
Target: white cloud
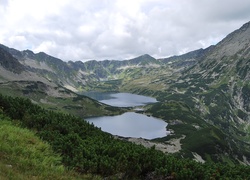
118	29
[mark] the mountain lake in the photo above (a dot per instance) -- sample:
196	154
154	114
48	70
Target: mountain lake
129	124
121	99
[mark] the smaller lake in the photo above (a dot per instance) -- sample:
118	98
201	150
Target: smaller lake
131	124
121	99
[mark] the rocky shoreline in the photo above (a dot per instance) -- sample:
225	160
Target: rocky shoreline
171	146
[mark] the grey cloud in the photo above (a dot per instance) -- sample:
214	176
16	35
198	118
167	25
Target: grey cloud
4	3
81	30
229	10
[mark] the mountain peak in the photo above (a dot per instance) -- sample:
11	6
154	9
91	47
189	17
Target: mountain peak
237	42
143	60
146	55
245	26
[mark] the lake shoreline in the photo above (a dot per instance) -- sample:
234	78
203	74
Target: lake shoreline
171	146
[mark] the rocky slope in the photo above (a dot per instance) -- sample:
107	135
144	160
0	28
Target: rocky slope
220	83
188	59
10	63
218	88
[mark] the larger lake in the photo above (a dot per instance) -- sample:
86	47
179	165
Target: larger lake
129	124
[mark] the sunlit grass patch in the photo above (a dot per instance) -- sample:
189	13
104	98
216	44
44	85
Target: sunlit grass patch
23	155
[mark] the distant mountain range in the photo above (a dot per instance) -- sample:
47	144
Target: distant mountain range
78	74
204	92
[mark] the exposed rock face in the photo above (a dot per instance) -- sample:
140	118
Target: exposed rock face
236	43
9	62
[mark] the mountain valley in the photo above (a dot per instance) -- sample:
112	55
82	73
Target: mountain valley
203	95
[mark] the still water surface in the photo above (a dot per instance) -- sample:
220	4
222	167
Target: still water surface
121	99
129	124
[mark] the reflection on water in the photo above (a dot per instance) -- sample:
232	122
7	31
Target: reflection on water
121	99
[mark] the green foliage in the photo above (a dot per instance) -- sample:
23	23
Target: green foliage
105	85
242	68
200	136
25	156
246	97
87	149
207	140
242	114
173	110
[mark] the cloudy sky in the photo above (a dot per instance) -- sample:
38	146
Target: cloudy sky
118	29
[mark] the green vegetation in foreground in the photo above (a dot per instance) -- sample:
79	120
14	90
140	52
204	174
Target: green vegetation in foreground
88	150
23	155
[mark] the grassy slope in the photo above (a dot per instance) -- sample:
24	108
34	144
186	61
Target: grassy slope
25	156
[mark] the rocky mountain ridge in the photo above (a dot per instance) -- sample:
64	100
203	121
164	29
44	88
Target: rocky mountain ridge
78	74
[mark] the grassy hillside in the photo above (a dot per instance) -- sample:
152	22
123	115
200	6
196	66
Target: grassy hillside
87	150
23	155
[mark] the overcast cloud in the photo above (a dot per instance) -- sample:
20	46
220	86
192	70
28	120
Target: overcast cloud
118	29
